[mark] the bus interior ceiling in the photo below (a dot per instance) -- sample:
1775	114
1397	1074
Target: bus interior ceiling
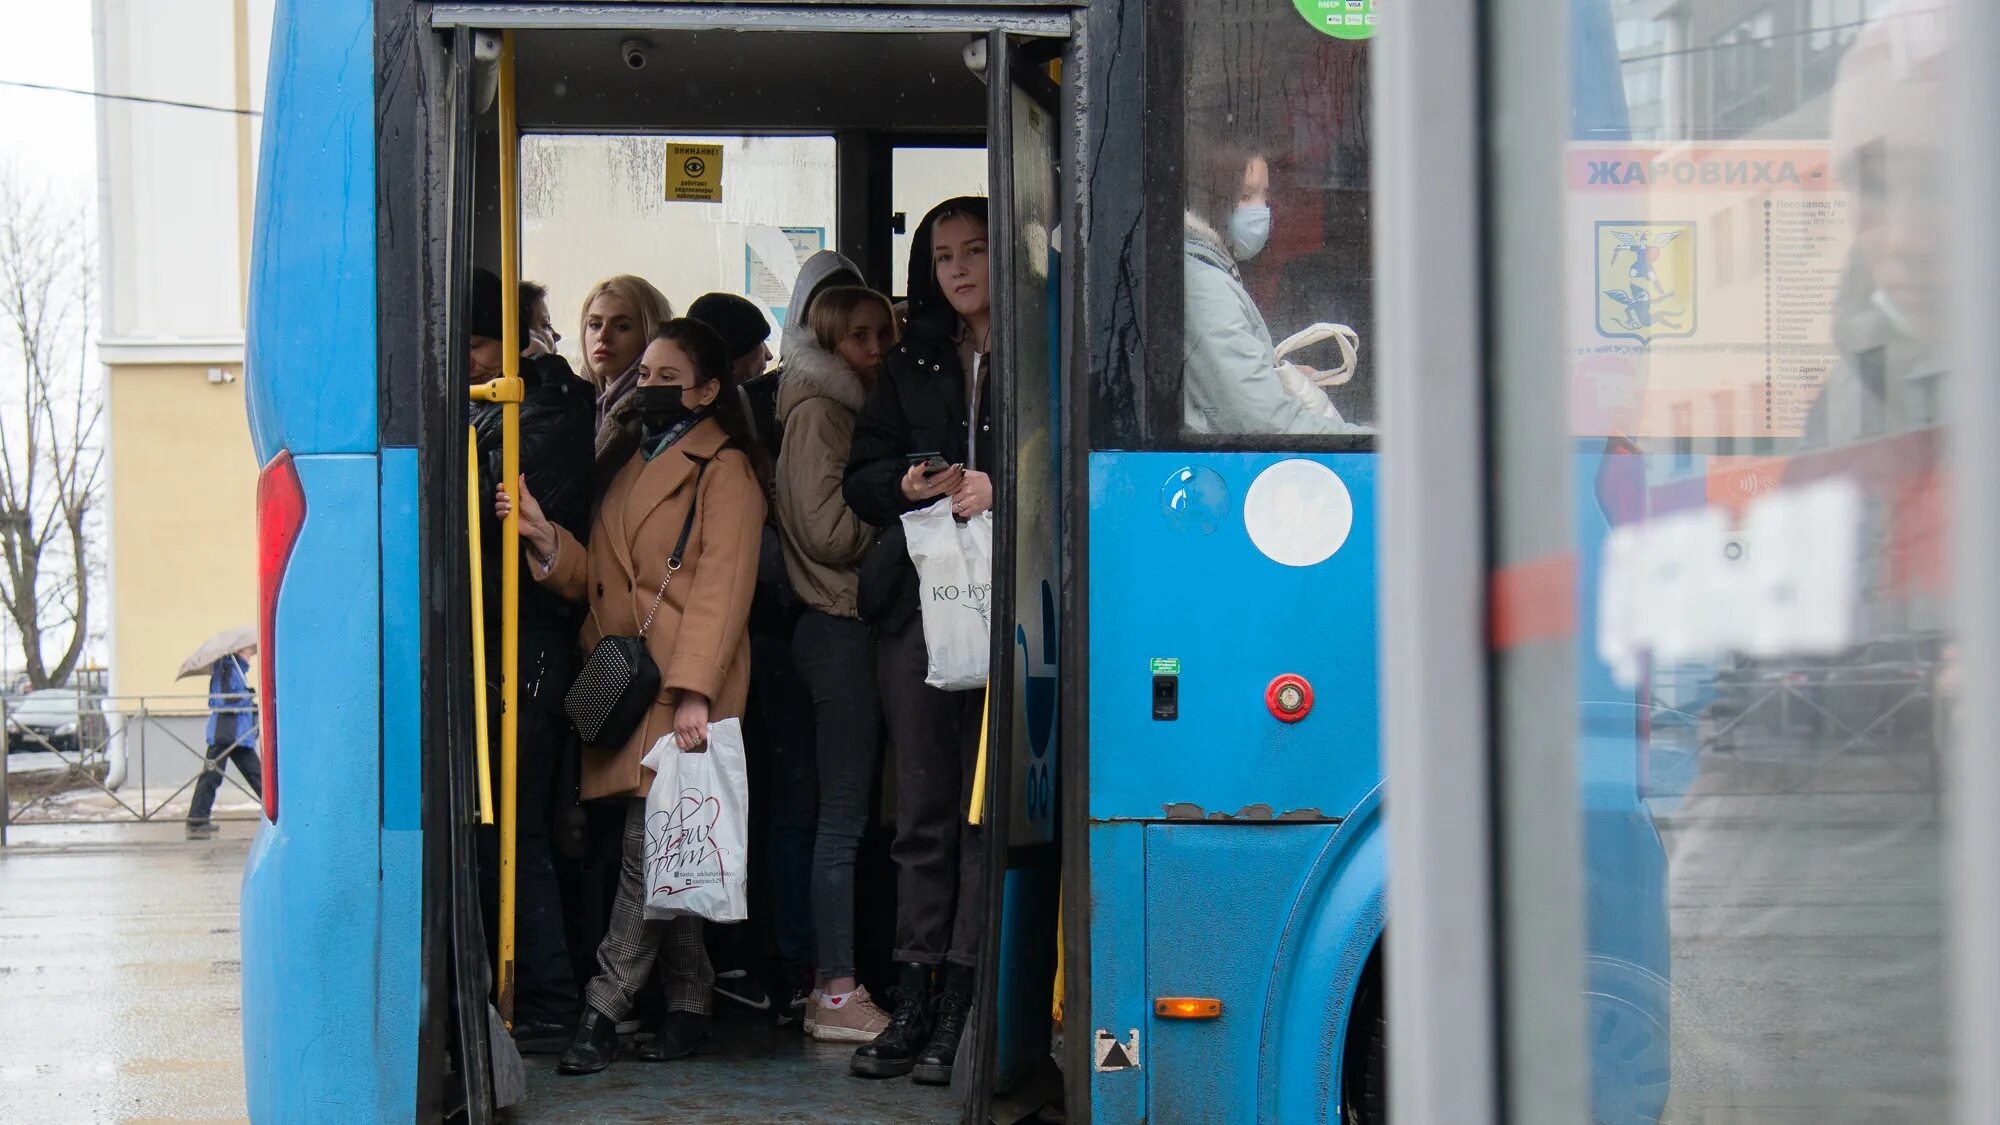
874	88
881	89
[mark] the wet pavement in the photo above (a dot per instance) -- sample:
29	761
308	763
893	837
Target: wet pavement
120	977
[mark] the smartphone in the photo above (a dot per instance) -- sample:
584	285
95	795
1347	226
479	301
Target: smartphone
933	463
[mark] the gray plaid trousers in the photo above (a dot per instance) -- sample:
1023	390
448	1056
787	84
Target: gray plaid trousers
625	957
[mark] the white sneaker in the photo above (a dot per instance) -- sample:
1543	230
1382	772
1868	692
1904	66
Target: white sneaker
856	1020
811	1020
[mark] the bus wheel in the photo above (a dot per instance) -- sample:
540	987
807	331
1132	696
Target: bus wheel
1364	1084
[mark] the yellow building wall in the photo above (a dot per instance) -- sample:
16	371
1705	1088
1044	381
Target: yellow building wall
183	491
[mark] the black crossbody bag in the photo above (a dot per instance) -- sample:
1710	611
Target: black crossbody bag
620	681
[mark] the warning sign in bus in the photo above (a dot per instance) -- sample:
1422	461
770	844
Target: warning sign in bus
694	173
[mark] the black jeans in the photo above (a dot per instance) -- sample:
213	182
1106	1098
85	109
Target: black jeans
545	981
205	786
835	656
940	859
778	743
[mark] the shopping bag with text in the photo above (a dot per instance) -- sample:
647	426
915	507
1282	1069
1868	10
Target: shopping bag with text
696	828
954	560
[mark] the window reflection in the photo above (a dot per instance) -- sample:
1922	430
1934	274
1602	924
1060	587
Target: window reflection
1764	582
1277	315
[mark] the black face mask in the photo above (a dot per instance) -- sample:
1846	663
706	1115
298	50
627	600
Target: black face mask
659	407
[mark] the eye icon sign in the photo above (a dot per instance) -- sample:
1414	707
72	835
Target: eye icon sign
695	167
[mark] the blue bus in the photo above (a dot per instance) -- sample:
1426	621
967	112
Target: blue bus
1186	787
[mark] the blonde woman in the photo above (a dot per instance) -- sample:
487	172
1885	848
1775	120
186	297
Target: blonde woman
829	370
620	316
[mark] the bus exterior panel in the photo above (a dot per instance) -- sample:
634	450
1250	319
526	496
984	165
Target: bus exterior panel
1234	856
331	900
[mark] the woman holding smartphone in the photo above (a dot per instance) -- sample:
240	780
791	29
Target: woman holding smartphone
926	432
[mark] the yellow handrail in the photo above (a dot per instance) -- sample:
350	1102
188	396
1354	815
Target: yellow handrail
478	626
977	812
507	391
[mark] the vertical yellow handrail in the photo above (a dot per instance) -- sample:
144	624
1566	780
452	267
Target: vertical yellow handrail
480	733
507	391
977	813
510	534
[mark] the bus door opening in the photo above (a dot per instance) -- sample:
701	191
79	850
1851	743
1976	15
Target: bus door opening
809	142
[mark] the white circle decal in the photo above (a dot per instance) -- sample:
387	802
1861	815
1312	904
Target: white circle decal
1298	512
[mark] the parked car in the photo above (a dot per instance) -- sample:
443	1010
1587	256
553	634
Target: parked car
61	719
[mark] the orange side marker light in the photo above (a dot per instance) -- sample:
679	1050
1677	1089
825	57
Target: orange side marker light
1187	1008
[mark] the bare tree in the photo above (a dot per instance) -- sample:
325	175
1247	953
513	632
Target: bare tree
51	461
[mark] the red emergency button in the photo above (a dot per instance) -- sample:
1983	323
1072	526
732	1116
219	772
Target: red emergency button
1289	697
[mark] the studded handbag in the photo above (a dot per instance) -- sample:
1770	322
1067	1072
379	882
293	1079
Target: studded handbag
620	681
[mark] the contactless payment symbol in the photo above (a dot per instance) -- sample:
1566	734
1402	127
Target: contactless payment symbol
1645	280
1342	19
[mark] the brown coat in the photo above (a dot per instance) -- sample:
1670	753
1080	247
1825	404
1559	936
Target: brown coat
700	637
824	540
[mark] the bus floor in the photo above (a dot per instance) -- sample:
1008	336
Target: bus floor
750	1071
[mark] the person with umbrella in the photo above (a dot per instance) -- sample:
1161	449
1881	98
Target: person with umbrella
232	723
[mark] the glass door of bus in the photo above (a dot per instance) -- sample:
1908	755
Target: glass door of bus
1020	793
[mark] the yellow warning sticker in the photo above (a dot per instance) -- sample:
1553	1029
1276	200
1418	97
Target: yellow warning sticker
694	173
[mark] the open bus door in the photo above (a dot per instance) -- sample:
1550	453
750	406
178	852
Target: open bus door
1014	1073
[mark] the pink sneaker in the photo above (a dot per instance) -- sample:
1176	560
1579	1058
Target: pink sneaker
855	1020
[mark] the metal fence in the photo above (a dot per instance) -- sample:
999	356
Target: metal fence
85	758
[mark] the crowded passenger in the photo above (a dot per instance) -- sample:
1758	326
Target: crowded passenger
1231	382
933	397
556	424
620	315
671	558
829	369
779	726
739	951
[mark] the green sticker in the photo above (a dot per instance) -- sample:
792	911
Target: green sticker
1166	666
1342	19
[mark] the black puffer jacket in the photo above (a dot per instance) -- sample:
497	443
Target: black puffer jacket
558	429
917	406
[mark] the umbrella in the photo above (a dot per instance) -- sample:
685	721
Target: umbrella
241	639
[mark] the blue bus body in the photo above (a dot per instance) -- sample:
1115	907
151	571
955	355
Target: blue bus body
1224	854
331	896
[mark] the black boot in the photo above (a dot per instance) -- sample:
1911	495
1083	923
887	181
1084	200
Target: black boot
595	1045
954	1003
677	1038
894	1052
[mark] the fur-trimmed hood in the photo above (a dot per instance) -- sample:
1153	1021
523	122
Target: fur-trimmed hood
811	372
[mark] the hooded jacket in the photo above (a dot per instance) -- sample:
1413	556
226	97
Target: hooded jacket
918	405
761	393
824	540
1230	381
776	607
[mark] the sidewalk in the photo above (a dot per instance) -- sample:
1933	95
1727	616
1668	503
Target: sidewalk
120	976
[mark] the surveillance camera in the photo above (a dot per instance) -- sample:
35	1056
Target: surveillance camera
975	56
636	53
485	47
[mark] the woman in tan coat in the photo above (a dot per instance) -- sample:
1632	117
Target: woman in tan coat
830	362
693	456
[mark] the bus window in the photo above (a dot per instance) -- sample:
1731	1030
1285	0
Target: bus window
605	193
918	178
1276	262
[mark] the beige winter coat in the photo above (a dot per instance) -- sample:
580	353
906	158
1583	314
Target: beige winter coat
700	638
824	540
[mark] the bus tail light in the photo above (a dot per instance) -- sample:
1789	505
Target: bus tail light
281	512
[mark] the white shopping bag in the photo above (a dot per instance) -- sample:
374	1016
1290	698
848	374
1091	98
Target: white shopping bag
954	562
697	815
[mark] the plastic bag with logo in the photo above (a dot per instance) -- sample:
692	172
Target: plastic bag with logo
954	561
697	817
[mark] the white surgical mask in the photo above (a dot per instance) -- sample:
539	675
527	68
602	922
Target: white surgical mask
1249	230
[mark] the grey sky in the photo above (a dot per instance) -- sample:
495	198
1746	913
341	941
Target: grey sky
49	137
